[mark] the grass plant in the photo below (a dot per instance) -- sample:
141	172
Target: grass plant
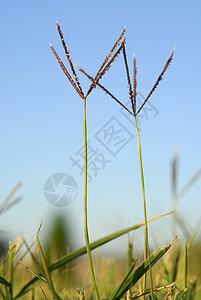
132	96
171	278
110	58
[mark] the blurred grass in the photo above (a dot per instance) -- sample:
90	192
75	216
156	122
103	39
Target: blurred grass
73	278
177	275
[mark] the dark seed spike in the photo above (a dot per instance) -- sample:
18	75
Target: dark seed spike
111	51
106	59
157	81
113	48
106	68
68	58
105	90
128	78
134	81
66	73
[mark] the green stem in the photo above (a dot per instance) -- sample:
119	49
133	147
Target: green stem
174	216
146	249
185	265
11	279
85	206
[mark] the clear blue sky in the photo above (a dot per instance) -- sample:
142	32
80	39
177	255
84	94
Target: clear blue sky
41	115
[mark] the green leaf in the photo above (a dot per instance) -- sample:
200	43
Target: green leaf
4	281
46	270
131	280
81	251
34	273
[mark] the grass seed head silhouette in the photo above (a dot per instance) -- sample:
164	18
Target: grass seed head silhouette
110	58
132	91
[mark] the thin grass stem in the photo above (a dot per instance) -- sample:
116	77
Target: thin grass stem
11	275
174	198
146	250
185	265
85	206
132	94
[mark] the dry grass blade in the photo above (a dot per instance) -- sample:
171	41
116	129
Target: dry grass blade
104	68
9	205
189	184
12	192
157	81
134	82
158	289
128	78
68	57
174	177
104	89
169	293
66	72
43	292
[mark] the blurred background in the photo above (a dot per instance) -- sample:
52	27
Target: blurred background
41	116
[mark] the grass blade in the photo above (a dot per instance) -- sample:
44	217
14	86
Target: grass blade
189	184
46	270
81	251
34	273
158	289
4	281
185	264
123	283
12	192
131	280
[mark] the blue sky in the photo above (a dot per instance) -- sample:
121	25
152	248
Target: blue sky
41	115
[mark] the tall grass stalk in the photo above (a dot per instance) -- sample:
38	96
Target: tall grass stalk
132	96
85	205
110	58
146	248
174	199
11	275
185	265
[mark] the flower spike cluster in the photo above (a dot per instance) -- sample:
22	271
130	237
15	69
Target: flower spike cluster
110	58
157	81
132	92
